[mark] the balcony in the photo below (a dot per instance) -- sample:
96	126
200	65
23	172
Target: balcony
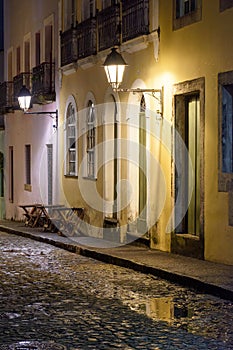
6	96
108	21
135	19
112	26
43	83
69	48
18	81
87	38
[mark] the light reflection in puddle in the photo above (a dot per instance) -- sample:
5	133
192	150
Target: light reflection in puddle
164	309
196	318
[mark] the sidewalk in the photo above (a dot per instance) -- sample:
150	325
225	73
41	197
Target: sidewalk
204	276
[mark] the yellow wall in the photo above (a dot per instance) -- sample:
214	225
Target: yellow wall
201	49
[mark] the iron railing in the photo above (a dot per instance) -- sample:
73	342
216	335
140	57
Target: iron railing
109	28
87	38
135	18
6	96
43	79
69	48
108	21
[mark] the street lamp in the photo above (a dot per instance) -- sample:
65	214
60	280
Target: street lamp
24	98
114	66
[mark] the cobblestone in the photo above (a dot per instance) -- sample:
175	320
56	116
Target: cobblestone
54	299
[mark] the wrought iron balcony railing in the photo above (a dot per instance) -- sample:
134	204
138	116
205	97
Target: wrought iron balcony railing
6	96
18	81
87	38
110	27
43	81
135	18
108	21
69	48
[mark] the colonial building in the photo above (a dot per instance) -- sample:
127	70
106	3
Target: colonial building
172	168
149	157
31	60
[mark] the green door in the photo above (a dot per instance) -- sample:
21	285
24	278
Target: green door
188	126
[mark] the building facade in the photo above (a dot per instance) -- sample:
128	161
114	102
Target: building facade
172	168
31	58
152	160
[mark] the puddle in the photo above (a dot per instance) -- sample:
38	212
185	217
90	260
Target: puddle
165	309
200	317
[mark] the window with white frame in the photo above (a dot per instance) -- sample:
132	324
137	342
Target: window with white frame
186	12
71	140
91	140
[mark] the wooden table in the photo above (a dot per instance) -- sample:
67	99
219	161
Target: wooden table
35	214
49	224
67	220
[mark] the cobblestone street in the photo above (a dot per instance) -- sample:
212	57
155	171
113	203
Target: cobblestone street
54	299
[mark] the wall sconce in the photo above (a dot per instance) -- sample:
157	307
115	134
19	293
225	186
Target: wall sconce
114	66
24	98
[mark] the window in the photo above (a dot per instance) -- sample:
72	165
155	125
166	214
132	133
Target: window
91	140
185	7
48	43
107	3
9	66
71	140
225	4
28	164
186	12
225	130
37	48
18	60
88	9
27	56
69	14
11	174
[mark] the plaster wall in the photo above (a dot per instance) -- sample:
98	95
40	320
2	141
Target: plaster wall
22	21
198	50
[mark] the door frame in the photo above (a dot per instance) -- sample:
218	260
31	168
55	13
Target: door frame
187	244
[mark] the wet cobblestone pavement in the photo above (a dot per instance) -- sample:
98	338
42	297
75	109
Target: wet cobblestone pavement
53	299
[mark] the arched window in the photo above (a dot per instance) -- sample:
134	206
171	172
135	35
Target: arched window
71	140
91	140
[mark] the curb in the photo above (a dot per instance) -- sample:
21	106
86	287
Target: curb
183	280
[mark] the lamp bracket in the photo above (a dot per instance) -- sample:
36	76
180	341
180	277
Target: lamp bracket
155	93
53	115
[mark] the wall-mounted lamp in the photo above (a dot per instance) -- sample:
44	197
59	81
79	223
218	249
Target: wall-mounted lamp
114	66
24	98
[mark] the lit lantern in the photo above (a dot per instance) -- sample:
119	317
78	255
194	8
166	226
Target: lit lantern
114	66
24	98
